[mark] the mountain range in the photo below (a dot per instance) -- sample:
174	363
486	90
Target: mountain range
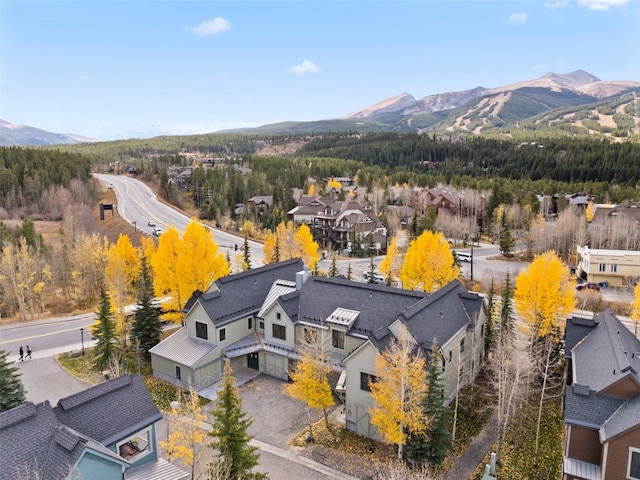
576	103
25	135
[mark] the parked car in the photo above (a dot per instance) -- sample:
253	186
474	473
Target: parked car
377	277
462	256
151	223
588	286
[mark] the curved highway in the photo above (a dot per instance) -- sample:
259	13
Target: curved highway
138	205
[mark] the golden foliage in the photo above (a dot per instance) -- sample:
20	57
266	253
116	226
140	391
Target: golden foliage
312	189
187	439
291	241
544	294
310	383
399	390
388	266
635	308
589	212
335	184
428	263
184	265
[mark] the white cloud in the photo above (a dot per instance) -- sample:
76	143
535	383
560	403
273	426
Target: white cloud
601	4
212	27
518	17
557	4
304	68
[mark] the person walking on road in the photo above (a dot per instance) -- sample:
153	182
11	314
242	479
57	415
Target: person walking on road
21	351
28	352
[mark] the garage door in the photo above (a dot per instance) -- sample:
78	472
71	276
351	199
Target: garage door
275	365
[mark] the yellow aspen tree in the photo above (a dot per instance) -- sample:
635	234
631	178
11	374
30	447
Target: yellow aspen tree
147	247
310	385
312	189
165	274
308	248
187	438
544	294
201	261
88	263
398	391
184	265
388	266
589	212
269	249
335	184
428	263
291	241
635	309
121	272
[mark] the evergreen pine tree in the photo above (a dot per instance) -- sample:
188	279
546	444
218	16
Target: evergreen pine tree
11	388
246	253
229	430
146	321
104	332
433	445
506	312
333	270
488	330
349	273
507	242
371	272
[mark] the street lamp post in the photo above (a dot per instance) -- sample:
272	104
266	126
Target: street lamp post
82	339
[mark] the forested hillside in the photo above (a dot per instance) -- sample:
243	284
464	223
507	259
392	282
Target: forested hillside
563	160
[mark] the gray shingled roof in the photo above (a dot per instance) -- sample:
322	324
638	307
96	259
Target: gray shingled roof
626	417
442	314
606	355
244	293
378	305
36	445
110	411
575	330
585	408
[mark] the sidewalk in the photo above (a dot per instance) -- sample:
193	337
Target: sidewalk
467	463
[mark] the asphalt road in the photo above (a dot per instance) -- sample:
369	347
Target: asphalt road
138	204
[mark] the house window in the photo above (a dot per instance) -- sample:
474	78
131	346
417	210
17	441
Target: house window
337	339
444	364
249	323
136	446
261	325
310	335
201	330
278	316
633	468
614	268
450	356
178	372
223	334
462	346
366	380
602	267
279	331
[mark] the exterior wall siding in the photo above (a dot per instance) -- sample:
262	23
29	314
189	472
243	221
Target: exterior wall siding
618	454
584	445
92	465
358	401
198	314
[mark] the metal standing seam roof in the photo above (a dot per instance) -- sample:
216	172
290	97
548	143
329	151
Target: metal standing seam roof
343	316
158	470
183	349
279	288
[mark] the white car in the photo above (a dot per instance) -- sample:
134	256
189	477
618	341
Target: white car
151	223
377	277
157	231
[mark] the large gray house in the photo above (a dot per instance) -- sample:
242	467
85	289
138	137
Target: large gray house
260	318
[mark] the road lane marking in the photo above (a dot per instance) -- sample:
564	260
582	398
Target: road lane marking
23	339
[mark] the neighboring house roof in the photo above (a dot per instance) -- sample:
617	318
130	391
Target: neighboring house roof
244	293
585	408
606	355
575	330
183	349
158	470
35	445
265	199
110	411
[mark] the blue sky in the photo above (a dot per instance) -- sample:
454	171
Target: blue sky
121	69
